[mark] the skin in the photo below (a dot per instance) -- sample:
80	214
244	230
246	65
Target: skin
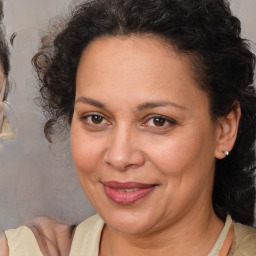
117	77
53	237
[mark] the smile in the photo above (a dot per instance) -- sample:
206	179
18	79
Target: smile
127	193
128	190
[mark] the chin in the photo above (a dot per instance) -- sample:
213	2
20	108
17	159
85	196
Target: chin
129	223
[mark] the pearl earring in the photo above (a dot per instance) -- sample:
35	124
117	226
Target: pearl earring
225	152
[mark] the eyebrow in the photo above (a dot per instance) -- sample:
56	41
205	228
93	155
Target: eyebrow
90	102
156	104
141	107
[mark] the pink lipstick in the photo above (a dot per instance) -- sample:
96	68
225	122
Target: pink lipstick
127	193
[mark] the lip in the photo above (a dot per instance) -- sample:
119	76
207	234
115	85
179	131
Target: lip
136	191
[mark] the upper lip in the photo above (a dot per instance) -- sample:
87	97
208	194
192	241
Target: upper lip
126	185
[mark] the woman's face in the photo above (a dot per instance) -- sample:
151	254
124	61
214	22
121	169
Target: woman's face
142	138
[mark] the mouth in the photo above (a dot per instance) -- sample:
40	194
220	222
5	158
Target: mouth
127	193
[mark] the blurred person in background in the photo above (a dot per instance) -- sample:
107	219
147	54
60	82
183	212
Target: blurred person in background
4	72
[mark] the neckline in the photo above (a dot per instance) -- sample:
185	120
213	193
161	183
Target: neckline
95	225
222	237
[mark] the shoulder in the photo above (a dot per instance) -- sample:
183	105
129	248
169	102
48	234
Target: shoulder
244	240
4	250
91	227
17	238
52	236
45	236
42	236
87	236
51	228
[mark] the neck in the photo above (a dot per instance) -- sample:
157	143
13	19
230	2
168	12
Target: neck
196	234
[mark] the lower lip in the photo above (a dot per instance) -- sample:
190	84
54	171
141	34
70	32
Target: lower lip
127	198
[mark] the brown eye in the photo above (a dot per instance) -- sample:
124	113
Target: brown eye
96	119
95	122
159	121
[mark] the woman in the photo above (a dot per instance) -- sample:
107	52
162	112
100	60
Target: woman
4	71
160	102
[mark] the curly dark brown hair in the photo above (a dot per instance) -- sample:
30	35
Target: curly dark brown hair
208	33
4	50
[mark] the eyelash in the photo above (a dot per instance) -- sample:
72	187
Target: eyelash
85	119
164	119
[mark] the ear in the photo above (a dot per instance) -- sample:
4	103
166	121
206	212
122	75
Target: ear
227	132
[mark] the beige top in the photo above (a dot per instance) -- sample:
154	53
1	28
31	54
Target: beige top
6	132
86	240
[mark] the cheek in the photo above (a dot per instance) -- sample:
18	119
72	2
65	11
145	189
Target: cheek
85	150
192	152
86	156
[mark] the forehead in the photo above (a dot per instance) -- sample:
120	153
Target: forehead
141	66
136	53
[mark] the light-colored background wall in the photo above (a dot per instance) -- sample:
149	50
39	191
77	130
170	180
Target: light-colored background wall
35	180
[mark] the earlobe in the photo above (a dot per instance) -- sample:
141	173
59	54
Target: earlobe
227	132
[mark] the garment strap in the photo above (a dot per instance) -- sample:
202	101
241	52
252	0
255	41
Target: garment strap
225	249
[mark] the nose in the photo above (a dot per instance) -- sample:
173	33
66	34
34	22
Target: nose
123	152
